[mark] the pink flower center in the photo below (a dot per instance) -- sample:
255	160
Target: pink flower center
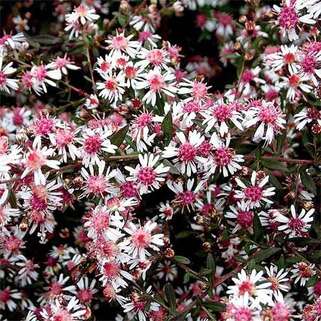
85	295
111	270
245	219
62	315
55	288
119	42
191	107
309	64
44	126
3	79
155	57
146	175
100	221
40	73
96	184
289	58
187	197
92	144
141	239
35	160
144	120
128	189
5	295
64	137
223	156
156	82
187	152
13	244
17	117
222	112
243	314
247	76
111	84
268	115
38	203
253	193
313	113
294	81
288	17
296	224
280	312
246	287
199	90
130	72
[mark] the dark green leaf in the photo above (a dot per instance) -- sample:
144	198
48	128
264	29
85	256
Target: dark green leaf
167	127
210	263
118	137
170	296
258	229
182	259
265	254
215	306
308	182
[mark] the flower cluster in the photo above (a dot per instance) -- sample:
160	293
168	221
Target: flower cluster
129	182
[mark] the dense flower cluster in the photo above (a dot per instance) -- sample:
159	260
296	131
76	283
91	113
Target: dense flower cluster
111	155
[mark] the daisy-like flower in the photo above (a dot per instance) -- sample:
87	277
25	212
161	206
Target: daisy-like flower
223	157
142	239
241	309
8	298
113	274
27	270
157	83
41	76
142	130
36	159
186	157
310	66
242	217
255	193
248	78
253	285
64	139
100	221
286	57
5	71
97	183
270	118
295	225
295	85
166	211
82	14
307	116
302	272
85	290
194	90
167	271
120	44
154	58
290	18
62	64
147	174
12	41
94	144
92	102
186	197
112	88
221	116
279	280
58	311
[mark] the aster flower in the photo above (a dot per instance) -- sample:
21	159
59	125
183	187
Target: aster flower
142	239
223	157
255	194
302	272
5	71
270	119
279	280
295	225
186	157
147	175
36	159
254	285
